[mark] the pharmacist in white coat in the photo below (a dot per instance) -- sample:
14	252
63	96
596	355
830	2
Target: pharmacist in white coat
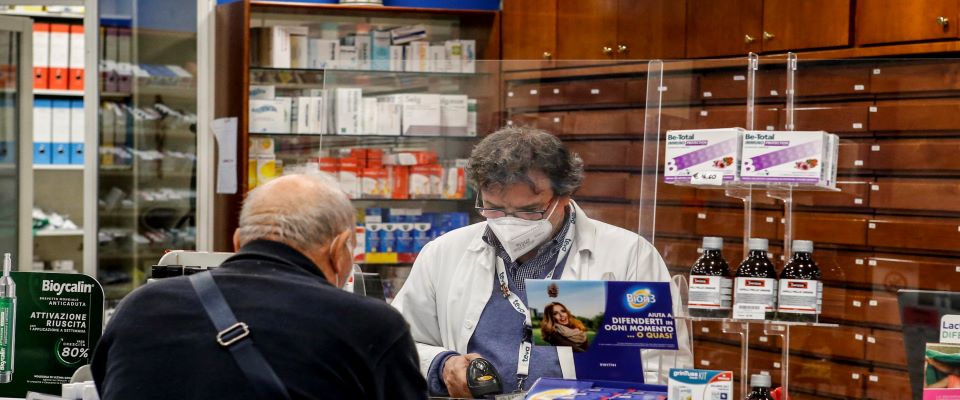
465	296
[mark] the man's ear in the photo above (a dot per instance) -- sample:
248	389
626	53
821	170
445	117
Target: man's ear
236	240
338	248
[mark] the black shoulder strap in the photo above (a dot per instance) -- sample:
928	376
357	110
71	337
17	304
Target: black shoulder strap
235	336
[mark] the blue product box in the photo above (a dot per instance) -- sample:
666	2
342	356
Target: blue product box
404	237
388	243
374	215
492	5
556	388
372	238
421	236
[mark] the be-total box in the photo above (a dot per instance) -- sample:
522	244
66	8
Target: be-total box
691	154
699	384
786	157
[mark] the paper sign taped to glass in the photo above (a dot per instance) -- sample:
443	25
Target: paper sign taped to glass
601	321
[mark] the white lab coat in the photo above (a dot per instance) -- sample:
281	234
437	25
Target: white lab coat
450	284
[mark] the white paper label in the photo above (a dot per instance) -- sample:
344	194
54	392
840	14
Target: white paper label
876	71
950	328
776	364
958	268
739	78
769	220
705	363
756	291
533	92
855	376
705	330
858	261
509	122
871	339
857	163
556	91
710	292
858	87
556	120
873	263
858	201
873	108
764	339
858	337
707	178
875	188
594	91
707	94
509	94
871	226
704	113
799	296
857	125
857	303
771	127
875	147
873	303
662	89
774	93
701	216
748	311
874	378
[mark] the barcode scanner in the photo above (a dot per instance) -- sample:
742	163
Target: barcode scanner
483	379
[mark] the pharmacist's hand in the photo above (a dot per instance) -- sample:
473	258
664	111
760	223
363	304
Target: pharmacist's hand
455	375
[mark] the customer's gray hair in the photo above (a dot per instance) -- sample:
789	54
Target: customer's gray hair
506	156
311	217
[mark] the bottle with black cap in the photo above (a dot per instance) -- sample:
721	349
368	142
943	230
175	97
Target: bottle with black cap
755	286
760	385
801	291
711	289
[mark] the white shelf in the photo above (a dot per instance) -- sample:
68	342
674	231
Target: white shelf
59	232
34	14
57	167
56	92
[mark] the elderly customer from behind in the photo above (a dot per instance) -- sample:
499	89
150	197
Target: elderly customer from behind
295	244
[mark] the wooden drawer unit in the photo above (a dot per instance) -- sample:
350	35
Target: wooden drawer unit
916	194
708	355
678	253
832	80
635	155
892	21
636	90
916	116
613	214
666	193
845	341
601	153
550	122
840	266
854	194
882	308
713	330
933	155
843	119
523	96
608	91
729	223
914	233
607	123
847	229
843	304
896	271
675	220
680	89
942	75
827	377
886	347
673	118
854	155
720	197
888	384
765	117
732	84
604	184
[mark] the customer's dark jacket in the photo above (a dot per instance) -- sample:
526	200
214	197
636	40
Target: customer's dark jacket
322	342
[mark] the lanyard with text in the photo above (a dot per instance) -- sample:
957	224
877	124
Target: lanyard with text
526	346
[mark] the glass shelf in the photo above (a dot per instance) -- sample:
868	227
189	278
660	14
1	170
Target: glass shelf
757	322
371	72
800	187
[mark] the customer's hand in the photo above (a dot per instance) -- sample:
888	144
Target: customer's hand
455	374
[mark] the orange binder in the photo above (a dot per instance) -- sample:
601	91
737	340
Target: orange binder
75	68
59	55
41	55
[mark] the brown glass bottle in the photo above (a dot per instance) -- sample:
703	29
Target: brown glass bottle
760	387
801	290
711	289
756	279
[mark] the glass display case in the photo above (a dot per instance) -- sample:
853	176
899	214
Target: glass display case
148	139
15	151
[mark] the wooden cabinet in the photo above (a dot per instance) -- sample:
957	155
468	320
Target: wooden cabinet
849	229
678	253
765	117
916	194
888	384
843	119
604	185
608	123
675	220
613	214
843	267
550	122
916	116
606	153
928	155
586	30
882	308
833	79
914	233
912	77
892	21
854	194
845	341
897	271
732	84
529	32
651	29
886	347
729	223
808	24
854	154
723	28
827	378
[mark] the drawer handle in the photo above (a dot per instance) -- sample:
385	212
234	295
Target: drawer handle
749	39
607	50
547	55
943	21
622	49
768	36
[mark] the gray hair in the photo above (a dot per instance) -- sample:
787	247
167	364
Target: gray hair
303	211
506	156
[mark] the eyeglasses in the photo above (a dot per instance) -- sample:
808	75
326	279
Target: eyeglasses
493	213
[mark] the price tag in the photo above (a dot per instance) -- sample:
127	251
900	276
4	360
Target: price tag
556	91
533	92
875	147
704	113
765	372
858	337
857	125
873	108
382	258
857	163
748	311
707	178
707	94
871	339
858	87
774	93
594	91
739	78
958	268
858	201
